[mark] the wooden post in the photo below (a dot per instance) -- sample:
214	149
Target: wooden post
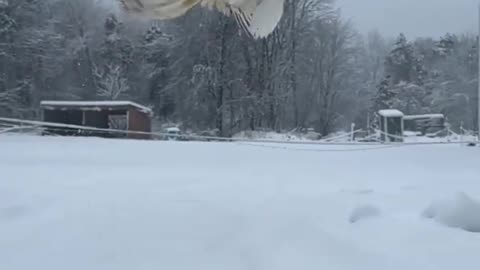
352	132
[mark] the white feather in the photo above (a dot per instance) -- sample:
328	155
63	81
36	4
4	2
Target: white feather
266	17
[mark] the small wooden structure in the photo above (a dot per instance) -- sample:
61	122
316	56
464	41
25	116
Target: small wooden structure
425	124
117	115
391	125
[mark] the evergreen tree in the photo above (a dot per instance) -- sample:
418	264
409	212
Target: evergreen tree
7	23
155	47
385	96
400	62
406	67
446	45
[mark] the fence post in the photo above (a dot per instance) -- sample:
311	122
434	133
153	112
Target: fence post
352	132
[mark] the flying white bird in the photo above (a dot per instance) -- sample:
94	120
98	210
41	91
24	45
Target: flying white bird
257	17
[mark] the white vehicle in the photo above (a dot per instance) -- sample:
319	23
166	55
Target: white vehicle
173	133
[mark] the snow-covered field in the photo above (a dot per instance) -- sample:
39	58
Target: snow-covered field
78	203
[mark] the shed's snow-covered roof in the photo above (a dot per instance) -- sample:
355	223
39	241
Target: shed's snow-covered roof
390	113
90	104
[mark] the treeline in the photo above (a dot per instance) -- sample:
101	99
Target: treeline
432	76
314	71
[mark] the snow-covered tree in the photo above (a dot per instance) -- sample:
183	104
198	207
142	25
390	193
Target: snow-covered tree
155	48
115	58
111	82
385	97
400	63
405	66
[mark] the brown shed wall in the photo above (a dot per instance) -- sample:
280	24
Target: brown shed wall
139	121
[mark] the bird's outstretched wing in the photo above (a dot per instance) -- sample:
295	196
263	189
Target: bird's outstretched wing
259	18
158	9
256	17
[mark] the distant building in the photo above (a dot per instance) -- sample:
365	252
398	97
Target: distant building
112	115
391	125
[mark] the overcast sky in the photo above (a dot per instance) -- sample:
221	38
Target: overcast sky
415	18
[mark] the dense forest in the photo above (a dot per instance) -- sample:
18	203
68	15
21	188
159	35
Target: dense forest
200	72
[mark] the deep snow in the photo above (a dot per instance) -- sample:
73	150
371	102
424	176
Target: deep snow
78	203
459	212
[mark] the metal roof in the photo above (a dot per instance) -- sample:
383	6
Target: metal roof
94	104
390	113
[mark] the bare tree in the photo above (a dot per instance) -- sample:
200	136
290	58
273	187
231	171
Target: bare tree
111	82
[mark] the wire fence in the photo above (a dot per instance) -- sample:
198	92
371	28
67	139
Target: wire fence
9	125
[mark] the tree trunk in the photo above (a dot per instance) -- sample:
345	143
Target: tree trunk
293	62
221	78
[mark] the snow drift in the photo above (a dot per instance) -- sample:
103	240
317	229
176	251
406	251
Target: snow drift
364	212
460	212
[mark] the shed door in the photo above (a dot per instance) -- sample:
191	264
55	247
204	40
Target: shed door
394	126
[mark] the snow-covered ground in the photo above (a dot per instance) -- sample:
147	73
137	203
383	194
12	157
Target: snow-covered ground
274	136
79	203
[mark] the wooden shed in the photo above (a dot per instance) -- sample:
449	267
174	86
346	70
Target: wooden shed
118	115
425	124
391	125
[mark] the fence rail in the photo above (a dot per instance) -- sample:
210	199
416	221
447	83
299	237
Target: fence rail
14	125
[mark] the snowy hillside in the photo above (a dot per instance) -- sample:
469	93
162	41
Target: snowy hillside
109	204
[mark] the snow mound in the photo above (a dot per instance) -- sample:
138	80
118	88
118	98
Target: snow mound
12	212
270	135
364	212
460	212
